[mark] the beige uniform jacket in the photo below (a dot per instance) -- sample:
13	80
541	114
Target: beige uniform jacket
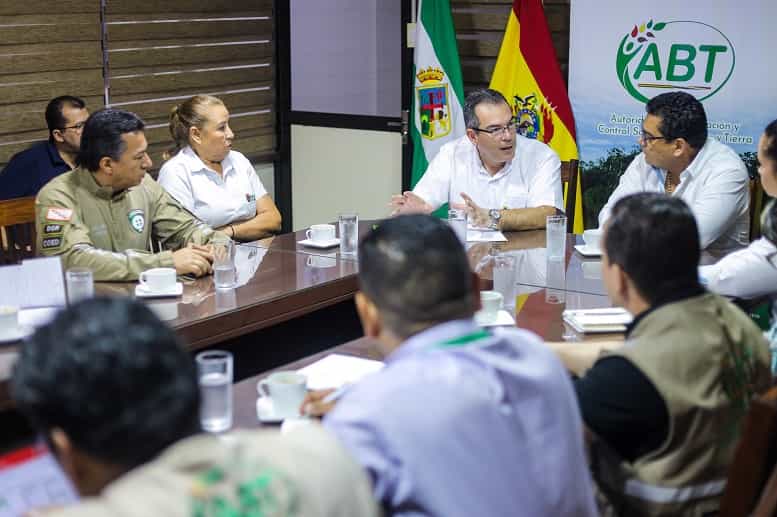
303	473
112	234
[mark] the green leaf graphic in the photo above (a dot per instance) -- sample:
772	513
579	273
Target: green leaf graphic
659	26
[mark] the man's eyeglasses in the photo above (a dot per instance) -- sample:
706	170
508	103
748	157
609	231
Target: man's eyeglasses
499	130
647	137
77	127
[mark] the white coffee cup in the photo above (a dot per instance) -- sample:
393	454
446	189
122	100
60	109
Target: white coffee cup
322	261
9	319
286	390
321	232
490	305
158	279
592	238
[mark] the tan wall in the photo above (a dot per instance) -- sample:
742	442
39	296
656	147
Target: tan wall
336	170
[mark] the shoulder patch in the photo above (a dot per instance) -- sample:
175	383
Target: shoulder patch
51	243
52	229
59	214
137	220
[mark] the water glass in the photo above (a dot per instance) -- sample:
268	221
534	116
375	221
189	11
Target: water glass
80	284
224	270
504	278
349	233
214	371
458	221
556	281
556	234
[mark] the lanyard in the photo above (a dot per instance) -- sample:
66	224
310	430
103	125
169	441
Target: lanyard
466	339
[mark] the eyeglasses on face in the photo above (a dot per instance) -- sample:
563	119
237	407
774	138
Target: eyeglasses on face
648	138
498	130
77	127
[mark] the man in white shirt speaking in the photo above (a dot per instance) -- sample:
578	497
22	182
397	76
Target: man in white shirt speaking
678	158
503	180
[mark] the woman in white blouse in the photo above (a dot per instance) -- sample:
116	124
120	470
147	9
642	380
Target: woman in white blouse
215	183
751	272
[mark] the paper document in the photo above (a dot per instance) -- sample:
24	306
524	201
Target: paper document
30	478
35	282
336	370
485	236
612	319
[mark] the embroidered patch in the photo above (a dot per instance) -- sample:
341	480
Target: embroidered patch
250	198
59	214
51	243
52	229
137	220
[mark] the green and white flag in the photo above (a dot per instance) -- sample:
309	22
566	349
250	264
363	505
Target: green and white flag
438	95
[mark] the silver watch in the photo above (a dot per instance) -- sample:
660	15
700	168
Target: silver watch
495	215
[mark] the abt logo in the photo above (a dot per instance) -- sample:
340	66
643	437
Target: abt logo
678	55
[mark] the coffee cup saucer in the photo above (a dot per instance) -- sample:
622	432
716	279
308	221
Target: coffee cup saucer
503	318
141	291
588	251
16	334
323	243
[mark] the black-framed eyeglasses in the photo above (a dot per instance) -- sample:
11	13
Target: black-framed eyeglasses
498	130
77	127
647	137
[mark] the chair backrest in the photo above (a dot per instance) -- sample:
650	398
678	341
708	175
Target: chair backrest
754	459
17	230
756	207
569	174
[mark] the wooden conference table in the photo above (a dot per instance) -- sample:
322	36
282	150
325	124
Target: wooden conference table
281	282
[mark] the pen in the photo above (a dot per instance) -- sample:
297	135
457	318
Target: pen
336	394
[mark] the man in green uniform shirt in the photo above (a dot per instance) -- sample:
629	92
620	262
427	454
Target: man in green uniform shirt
106	213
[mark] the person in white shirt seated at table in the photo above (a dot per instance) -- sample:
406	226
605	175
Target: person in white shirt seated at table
503	180
461	421
214	182
679	159
751	273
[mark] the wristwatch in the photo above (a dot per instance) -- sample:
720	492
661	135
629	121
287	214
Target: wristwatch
495	215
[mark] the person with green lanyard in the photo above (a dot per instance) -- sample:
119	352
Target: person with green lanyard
461	421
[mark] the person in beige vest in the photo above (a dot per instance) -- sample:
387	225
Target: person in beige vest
115	395
663	412
108	214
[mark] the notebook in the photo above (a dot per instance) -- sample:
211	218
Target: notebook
612	319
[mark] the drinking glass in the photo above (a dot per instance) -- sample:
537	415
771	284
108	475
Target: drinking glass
214	369
504	278
80	284
556	281
458	221
556	235
224	270
349	233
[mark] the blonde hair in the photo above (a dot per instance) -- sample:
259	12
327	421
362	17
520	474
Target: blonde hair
188	114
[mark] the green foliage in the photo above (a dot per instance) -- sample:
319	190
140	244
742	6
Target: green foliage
600	177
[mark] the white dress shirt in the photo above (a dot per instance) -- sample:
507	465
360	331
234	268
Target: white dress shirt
715	186
747	273
217	199
531	179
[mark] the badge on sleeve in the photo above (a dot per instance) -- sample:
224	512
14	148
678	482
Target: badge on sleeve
250	198
59	214
137	220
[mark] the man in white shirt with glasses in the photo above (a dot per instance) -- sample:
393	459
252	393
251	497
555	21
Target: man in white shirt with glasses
503	180
680	159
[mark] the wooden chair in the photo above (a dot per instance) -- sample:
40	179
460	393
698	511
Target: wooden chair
569	174
752	470
17	230
756	207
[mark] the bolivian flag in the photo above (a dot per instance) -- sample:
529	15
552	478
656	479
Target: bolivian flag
528	75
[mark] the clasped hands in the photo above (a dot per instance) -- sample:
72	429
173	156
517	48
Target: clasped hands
410	203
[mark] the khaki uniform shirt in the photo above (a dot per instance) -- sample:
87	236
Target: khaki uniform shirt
303	473
112	234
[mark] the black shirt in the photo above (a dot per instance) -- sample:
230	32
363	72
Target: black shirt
620	404
29	170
